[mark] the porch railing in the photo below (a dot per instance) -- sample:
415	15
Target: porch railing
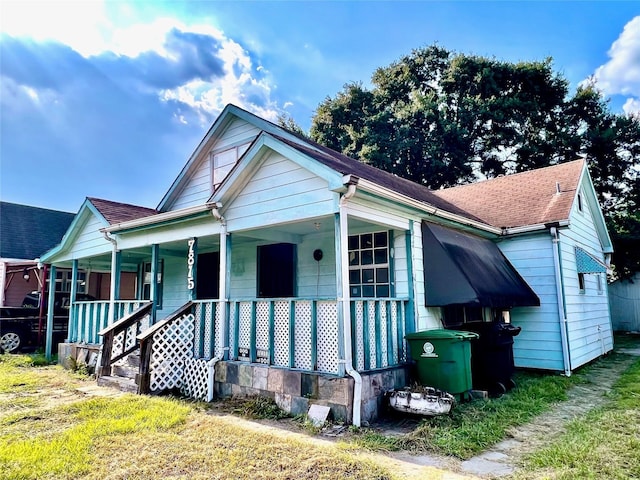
301	333
120	338
86	319
293	333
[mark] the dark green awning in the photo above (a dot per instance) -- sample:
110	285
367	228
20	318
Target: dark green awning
462	269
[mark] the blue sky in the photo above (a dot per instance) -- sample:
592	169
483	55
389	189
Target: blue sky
109	99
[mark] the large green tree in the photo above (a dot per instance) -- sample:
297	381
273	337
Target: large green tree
442	118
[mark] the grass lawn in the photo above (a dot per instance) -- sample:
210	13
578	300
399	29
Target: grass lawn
141	437
604	444
49	430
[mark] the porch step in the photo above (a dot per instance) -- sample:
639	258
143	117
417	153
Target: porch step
133	359
126	371
121	383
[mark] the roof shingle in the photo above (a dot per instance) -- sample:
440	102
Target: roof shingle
115	212
521	199
27	232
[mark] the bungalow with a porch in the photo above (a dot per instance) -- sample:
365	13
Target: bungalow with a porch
276	266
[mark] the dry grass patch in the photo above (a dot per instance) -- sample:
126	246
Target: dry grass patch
220	447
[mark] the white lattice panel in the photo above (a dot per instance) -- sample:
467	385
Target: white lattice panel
172	345
244	339
195	379
383	334
262	325
281	334
371	315
302	355
232	327
327	337
218	329
359	336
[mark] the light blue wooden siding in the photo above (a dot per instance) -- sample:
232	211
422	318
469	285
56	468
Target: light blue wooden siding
280	192
313	279
197	188
89	241
174	287
589	325
317	279
539	344
426	318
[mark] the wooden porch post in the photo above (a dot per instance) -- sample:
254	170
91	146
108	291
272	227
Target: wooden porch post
342	284
114	287
410	315
50	311
224	285
72	298
153	294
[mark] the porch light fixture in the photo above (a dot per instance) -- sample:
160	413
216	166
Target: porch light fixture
317	225
25	275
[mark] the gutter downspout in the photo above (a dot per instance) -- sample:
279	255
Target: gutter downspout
112	289
561	308
211	364
346	312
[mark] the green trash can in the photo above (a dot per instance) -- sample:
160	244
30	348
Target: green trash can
443	358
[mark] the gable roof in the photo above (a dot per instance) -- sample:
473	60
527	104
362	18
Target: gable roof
348	166
116	212
26	232
225	118
521	199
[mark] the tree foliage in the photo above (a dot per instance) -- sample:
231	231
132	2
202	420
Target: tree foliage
441	119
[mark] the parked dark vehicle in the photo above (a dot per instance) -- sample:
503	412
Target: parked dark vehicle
19	326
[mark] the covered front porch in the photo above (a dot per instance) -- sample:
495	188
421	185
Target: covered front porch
308	311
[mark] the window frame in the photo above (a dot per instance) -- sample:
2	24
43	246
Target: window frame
373	270
238	149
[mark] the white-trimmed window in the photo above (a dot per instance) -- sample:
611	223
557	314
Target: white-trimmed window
580	203
63	281
222	162
369	266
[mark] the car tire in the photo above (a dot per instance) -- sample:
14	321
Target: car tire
11	340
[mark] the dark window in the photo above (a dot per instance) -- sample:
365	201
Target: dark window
276	270
208	275
457	315
581	284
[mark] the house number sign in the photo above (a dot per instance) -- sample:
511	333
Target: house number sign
191	261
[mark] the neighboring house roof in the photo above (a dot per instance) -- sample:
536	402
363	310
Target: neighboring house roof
115	212
540	196
27	232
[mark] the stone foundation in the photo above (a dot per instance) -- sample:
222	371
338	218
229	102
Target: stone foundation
294	391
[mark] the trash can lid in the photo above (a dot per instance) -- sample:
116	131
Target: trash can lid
442	334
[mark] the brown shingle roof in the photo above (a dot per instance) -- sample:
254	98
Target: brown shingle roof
521	199
115	212
348	166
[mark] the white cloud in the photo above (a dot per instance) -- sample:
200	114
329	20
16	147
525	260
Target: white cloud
94	28
621	74
632	105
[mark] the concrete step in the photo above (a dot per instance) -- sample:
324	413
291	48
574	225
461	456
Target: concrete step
125	371
133	359
120	383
